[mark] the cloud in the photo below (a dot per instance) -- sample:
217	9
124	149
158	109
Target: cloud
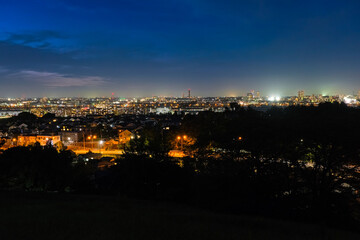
52	79
34	37
44	40
89	6
3	69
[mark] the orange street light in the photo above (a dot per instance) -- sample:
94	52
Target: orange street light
185	137
240	138
178	137
94	137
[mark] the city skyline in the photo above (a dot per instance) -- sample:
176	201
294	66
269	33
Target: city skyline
186	94
79	48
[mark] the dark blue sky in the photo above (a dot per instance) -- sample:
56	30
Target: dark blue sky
163	47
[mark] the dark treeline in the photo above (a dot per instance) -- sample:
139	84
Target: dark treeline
297	162
37	168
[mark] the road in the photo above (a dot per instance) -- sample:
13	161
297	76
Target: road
95	150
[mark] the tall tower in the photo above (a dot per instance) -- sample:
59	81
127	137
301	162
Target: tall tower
189	94
250	96
301	95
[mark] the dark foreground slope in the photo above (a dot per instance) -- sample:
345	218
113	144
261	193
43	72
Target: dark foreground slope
55	216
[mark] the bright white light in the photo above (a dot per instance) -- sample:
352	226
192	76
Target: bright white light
349	100
101	142
274	98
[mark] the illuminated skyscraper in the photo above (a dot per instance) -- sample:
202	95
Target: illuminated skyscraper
301	95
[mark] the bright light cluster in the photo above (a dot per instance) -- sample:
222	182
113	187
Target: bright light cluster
349	100
274	98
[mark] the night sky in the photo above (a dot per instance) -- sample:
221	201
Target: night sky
163	47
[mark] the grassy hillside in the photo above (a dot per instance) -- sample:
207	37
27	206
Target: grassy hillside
55	217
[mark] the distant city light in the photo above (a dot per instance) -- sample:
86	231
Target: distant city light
349	100
274	98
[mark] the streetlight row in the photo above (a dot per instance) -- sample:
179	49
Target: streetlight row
184	137
91	137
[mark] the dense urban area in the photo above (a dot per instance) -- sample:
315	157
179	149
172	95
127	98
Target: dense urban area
294	158
78	107
108	124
